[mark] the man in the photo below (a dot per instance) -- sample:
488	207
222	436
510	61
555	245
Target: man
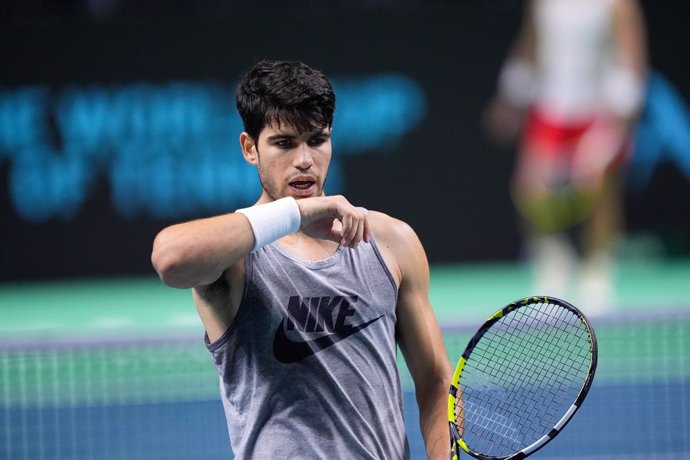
304	296
577	70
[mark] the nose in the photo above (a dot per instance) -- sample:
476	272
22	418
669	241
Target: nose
303	157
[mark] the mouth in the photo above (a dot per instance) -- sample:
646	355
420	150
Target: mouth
302	186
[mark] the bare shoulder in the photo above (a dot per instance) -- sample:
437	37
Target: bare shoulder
389	230
398	243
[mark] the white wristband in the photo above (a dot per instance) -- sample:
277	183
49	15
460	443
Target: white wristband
517	82
273	220
623	92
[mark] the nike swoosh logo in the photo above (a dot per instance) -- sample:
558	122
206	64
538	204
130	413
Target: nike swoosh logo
288	351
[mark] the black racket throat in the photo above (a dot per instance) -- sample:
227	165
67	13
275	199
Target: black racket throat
521	379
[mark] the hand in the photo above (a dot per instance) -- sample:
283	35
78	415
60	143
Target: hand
502	122
334	218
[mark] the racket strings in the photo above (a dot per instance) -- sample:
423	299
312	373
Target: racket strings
521	377
513	371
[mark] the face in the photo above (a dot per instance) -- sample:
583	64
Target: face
290	163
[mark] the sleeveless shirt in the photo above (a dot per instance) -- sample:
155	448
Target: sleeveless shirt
308	366
574	57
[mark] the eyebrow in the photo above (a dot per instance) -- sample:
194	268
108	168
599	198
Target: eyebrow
280	136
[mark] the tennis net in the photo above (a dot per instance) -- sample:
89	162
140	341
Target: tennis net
158	398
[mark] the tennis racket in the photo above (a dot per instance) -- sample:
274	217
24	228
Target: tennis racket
521	378
562	206
559	189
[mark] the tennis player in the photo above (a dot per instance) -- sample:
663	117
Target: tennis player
577	71
304	297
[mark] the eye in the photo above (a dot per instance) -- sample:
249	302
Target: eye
316	141
283	143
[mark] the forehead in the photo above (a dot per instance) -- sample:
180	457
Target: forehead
287	130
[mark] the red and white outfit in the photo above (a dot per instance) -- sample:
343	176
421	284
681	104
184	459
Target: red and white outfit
575	80
573	90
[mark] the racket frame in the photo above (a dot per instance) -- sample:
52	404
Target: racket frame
456	440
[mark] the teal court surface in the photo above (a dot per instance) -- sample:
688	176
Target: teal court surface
459	293
116	368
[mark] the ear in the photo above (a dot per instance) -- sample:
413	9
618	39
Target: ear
248	148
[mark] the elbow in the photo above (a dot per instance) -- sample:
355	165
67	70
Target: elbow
436	381
168	262
166	267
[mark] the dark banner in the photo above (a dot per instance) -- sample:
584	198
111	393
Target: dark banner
114	124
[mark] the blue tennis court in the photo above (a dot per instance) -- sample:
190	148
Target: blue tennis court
92	391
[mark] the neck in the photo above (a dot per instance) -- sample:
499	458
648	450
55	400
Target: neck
308	247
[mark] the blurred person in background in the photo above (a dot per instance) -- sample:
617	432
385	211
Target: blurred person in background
572	88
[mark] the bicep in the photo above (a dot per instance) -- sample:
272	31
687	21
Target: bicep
418	329
421	342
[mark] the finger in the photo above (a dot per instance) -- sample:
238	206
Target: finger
355	232
359	234
336	231
346	231
366	229
352	232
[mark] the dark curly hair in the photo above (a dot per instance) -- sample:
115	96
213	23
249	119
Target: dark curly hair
284	92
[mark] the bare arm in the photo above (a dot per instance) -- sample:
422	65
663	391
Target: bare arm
207	254
525	44
420	335
504	114
630	45
196	253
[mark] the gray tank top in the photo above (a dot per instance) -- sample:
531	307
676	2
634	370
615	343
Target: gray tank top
308	367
